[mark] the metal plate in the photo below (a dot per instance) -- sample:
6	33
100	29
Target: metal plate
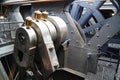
107	32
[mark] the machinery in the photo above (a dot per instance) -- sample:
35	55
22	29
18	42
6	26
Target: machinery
59	40
39	37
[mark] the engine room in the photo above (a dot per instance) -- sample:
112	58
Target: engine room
59	40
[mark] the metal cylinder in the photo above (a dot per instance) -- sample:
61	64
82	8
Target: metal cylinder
25	45
61	28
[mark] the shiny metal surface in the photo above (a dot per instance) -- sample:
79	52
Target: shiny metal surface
24	48
52	29
39	40
61	28
46	48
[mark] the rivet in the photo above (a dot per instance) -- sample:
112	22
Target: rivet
89	44
77	42
99	45
107	25
97	35
71	32
89	55
51	48
108	37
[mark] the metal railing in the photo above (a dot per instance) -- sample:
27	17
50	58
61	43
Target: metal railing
7	31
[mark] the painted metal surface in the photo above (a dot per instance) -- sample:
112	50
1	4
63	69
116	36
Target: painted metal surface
85	18
106	33
80	57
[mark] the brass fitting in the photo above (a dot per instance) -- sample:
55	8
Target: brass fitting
28	22
37	15
45	15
